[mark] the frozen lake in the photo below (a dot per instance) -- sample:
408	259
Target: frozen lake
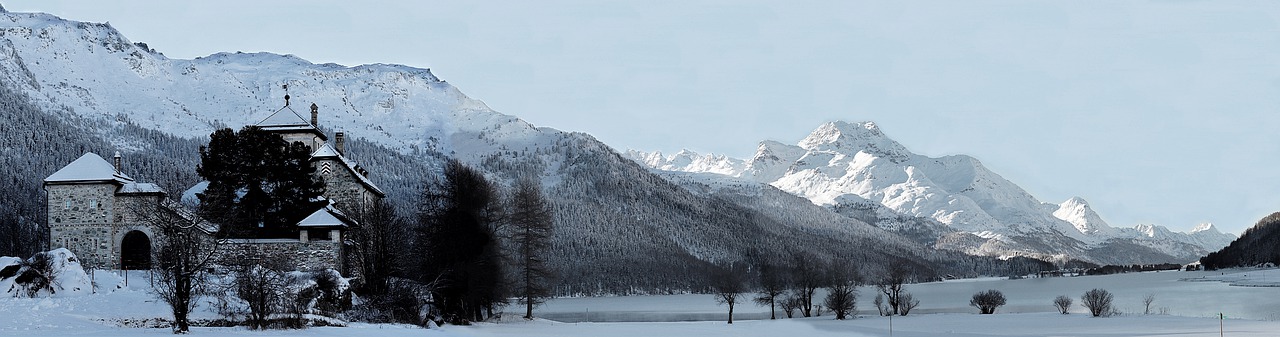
1173	296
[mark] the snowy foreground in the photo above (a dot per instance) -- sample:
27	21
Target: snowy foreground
128	311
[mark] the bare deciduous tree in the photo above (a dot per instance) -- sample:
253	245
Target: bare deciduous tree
842	296
1146	303
881	307
728	288
1098	301
263	288
808	277
890	285
907	302
772	285
185	247
376	239
1063	303
987	301
789	305
531	219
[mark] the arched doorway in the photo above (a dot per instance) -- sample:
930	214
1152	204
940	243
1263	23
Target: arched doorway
135	251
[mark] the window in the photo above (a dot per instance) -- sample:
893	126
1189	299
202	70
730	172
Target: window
93	204
67	205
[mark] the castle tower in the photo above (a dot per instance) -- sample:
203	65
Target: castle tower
90	207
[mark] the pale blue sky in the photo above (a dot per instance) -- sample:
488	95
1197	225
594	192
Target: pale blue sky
1157	112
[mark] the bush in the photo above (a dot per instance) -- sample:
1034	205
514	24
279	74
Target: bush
987	301
790	304
334	294
1098	302
263	290
1063	303
881	306
906	302
39	274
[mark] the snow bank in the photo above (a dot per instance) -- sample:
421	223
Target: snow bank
69	279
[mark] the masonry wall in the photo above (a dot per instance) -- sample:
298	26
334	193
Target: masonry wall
342	186
80	219
292	253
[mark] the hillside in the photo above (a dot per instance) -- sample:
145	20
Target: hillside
1258	245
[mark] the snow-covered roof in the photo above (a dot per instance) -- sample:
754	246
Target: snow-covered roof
325	151
88	168
140	188
327	216
328	152
285	119
190	196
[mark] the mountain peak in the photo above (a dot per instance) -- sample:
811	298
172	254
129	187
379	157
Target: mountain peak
1075	202
1205	227
851	138
2	10
1077	212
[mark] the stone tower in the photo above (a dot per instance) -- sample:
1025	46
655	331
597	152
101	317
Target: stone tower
92	206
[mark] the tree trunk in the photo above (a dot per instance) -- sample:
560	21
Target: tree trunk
773	314
730	312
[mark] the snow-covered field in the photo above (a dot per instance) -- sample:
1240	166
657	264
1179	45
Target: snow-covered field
1251	311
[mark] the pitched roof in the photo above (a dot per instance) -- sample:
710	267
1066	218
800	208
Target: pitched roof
328	152
285	119
285	116
326	217
88	168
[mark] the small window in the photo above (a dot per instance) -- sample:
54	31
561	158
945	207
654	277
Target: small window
93	204
319	235
67	205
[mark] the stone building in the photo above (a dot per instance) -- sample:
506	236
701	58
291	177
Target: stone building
93	206
92	211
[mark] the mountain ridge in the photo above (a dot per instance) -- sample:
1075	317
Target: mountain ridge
842	163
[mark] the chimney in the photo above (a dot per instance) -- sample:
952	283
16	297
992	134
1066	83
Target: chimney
338	143
116	161
315	115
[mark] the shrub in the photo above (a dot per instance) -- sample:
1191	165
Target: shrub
987	301
39	274
1098	301
1063	303
906	302
880	306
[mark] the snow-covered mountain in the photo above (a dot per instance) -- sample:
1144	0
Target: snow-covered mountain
620	227
855	167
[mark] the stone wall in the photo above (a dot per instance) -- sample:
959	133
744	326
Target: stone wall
343	187
80	220
291	253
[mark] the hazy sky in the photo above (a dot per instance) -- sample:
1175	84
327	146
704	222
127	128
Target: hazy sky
1159	112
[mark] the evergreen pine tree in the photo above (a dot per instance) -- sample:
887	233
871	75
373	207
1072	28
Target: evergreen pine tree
259	185
461	251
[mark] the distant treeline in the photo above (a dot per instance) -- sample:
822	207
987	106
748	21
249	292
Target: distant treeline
1114	269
